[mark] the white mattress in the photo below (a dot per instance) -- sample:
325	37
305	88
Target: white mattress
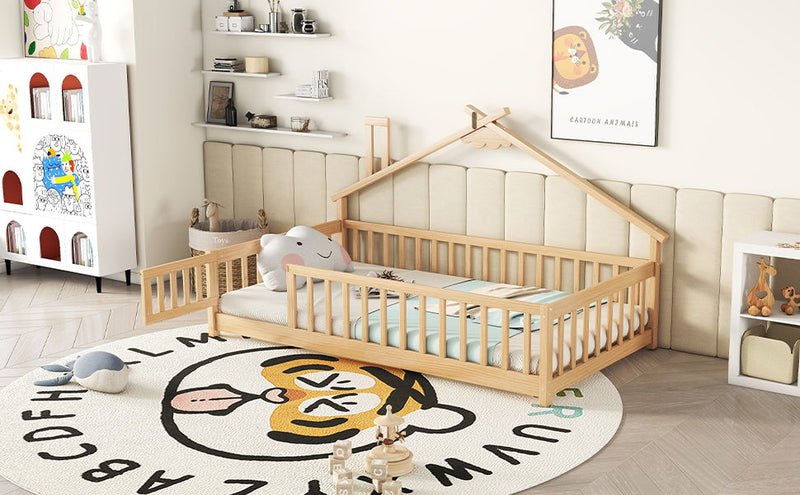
259	303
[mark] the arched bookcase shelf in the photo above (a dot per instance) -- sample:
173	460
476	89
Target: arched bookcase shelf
49	244
41	107
15	238
82	250
12	188
72	99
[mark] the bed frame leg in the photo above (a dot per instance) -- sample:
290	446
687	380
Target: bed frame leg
213	331
545	400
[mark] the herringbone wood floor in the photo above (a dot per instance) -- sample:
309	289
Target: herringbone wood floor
684	429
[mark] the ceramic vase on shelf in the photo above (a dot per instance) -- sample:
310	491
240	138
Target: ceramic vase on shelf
298	16
309	26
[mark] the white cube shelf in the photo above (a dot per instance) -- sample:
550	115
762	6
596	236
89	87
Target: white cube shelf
70	173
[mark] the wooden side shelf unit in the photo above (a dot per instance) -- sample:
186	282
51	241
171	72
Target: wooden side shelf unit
67	190
746	253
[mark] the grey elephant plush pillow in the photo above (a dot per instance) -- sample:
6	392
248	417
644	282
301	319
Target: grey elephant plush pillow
300	246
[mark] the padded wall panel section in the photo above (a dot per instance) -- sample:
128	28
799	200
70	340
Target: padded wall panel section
310	190
564	226
340	172
218	169
742	215
606	232
486	211
278	183
376	205
524	218
410	210
786	219
695	288
657	204
448	204
248	195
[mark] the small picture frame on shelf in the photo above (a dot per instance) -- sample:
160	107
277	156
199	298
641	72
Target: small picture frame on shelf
219	92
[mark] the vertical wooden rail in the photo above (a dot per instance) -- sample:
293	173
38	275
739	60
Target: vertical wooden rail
560	345
356	252
187	296
310	304
384	322
504	359
370	246
245	272
386	259
585	340
346	310
401	241
147	295
417	253
403	324
198	283
345	237
598	314
468	261
364	313
642	305
595	273
371	123
485	263
621	316
229	276
520	268
609	321
423	325
503	265
328	308
442	328
484	335
435	256
451	258
291	300
462	331
573	339
576	275
655	257
539	270
173	290
558	273
526	344
160	293
545	356
631	311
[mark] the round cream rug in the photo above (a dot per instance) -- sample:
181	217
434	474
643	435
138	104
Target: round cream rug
233	416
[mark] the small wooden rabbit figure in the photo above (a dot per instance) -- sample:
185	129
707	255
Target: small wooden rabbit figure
761	298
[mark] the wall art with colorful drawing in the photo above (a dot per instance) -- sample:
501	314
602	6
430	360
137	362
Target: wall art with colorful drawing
61	177
50	28
605	70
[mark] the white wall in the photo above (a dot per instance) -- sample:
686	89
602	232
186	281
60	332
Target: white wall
728	102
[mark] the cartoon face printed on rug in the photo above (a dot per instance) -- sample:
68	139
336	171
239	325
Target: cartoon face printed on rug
300	246
288	405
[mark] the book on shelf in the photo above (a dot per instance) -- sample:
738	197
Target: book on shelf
223	64
82	250
73	105
15	239
41	102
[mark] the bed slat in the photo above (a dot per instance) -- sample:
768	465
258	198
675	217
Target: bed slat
291	300
573	339
423	324
504	359
173	290
364	314
462	331
403	323
560	345
328	309
527	357
384	323
346	309
442	328
310	304
484	335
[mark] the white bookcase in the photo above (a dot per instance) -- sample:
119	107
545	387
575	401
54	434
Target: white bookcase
67	194
746	253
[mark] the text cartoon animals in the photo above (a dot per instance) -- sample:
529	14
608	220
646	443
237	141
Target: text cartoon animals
10	109
54	175
574	59
760	299
792	300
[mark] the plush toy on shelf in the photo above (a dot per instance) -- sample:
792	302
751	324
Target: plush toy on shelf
792	300
760	299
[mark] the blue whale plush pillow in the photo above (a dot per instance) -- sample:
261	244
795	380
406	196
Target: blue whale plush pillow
300	246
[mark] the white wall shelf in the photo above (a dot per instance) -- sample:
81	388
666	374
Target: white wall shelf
273	35
240	74
302	98
745	274
277	130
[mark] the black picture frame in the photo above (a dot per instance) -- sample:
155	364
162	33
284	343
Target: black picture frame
219	92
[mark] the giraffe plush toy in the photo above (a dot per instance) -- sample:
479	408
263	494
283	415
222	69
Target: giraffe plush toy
760	299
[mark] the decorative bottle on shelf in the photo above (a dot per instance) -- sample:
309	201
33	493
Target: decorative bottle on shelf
230	114
298	15
309	26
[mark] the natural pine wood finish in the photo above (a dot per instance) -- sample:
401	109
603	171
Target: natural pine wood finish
683	427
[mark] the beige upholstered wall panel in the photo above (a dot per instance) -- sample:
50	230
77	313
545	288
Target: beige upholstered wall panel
410	209
248	195
564	225
657	204
486	210
695	288
278	183
218	169
606	232
524	218
340	172
448	203
742	215
310	190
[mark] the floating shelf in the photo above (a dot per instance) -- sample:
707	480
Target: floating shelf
276	130
302	98
276	35
240	74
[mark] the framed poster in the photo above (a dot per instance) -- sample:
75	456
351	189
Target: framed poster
219	92
50	29
605	71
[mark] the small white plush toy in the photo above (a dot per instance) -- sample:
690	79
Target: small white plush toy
300	246
90	32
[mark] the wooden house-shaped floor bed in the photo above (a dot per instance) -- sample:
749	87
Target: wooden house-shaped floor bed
486	340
